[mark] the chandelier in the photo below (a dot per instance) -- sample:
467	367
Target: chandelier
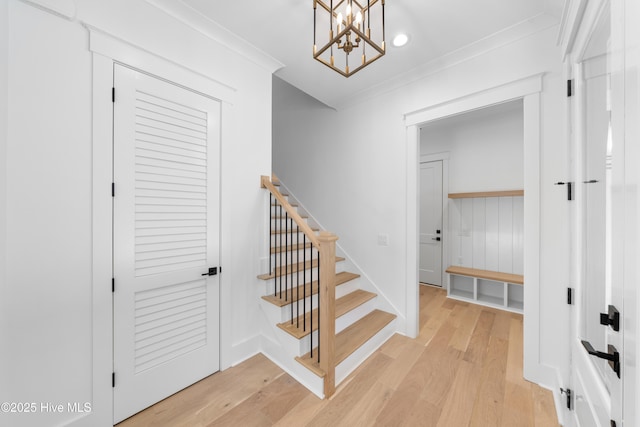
355	33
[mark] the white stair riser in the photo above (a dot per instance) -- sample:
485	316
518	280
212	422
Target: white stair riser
341	290
293	257
357	357
354	315
302	346
304	305
283	314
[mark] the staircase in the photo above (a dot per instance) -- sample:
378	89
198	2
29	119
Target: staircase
320	323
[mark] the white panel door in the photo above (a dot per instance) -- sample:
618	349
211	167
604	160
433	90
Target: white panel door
166	237
599	236
431	223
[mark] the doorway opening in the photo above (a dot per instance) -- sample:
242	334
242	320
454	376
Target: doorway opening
468	165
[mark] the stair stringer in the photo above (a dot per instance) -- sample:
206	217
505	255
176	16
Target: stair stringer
366	283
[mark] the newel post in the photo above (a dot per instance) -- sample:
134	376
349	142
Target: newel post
327	325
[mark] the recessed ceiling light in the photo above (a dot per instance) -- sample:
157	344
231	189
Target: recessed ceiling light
400	40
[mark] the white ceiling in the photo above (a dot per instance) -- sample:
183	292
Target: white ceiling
440	31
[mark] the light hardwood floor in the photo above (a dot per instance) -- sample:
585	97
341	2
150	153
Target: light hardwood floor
464	369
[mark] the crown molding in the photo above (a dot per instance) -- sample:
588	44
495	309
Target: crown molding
213	30
64	8
522	30
570	23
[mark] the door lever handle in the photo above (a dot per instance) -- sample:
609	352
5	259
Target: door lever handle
611	318
212	271
435	238
612	356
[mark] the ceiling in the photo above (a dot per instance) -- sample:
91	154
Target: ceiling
440	31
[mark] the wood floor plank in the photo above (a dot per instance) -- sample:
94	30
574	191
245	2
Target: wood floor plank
208	399
442	369
513	373
458	406
407	382
517	406
306	409
544	408
439	317
467	320
372	402
423	413
487	410
266	406
401	366
409	390
478	343
349	397
394	346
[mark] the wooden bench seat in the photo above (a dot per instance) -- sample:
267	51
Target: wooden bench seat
517	279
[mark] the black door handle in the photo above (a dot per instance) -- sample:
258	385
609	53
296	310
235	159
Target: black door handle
435	238
612	356
611	318
212	271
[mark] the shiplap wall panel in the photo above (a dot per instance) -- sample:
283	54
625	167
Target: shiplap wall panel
454	223
505	234
518	235
487	233
466	240
479	232
492	238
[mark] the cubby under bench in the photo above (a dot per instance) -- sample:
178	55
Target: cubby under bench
490	288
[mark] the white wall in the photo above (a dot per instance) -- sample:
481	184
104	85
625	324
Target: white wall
4	321
485	148
355	179
49	298
48	213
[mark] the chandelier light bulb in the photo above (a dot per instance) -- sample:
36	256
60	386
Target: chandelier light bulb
339	20
359	18
348	12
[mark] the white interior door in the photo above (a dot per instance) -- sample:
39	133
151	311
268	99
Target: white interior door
166	237
599	234
431	223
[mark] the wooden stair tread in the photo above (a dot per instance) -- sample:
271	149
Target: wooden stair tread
351	339
291	231
290	248
486	274
343	306
292	268
297	293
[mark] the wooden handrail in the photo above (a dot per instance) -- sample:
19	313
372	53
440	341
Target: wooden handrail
265	182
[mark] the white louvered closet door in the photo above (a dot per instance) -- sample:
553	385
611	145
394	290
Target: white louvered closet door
166	236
